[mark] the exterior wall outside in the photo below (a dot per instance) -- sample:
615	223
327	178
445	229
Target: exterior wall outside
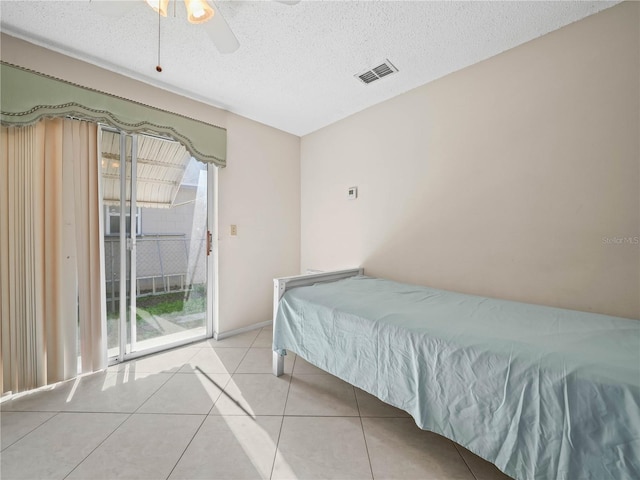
169	249
517	177
259	190
175	220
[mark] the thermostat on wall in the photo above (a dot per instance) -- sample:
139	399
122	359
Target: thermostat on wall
352	193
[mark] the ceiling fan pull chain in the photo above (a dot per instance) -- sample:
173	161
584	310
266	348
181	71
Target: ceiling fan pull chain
158	67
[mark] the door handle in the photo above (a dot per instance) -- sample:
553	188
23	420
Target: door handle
209	242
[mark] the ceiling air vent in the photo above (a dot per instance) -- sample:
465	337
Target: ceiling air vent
376	73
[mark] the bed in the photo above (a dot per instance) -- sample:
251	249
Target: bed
541	392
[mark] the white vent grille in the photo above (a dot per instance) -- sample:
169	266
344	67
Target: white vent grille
376	73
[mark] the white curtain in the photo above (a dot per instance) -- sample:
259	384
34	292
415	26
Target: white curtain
50	241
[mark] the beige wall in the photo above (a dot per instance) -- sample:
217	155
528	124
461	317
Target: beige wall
504	179
259	190
260	193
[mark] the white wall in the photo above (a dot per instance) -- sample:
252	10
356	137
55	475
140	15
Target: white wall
259	190
504	179
261	195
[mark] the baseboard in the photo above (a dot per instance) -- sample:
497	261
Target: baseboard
231	333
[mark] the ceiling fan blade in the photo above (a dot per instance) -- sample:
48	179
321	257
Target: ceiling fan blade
288	2
113	8
221	34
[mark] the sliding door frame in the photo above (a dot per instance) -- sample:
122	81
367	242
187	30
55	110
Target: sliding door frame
127	346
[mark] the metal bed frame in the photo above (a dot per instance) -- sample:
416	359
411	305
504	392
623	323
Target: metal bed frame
281	285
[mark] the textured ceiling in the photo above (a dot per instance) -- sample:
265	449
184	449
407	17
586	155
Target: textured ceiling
295	66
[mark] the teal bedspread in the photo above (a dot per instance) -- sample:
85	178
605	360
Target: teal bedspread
541	392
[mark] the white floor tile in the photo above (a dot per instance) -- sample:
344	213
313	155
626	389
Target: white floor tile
227	448
47	399
146	446
259	360
120	391
187	393
321	448
321	395
264	338
15	425
216	360
302	367
371	406
168	362
398	449
481	469
56	447
253	394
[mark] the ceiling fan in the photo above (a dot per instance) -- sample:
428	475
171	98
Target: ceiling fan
203	12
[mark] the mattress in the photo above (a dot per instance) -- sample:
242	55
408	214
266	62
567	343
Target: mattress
541	392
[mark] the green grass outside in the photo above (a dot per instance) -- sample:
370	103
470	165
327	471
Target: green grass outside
170	307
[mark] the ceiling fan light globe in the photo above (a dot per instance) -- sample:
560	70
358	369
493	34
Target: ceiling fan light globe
198	11
160	6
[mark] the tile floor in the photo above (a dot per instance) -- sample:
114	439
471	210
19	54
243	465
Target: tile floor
214	411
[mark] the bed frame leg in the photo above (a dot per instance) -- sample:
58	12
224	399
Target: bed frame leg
278	364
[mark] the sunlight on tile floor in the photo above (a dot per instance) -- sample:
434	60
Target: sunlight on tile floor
213	410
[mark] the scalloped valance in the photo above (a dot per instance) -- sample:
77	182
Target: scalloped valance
27	96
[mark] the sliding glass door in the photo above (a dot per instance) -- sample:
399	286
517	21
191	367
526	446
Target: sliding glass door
158	245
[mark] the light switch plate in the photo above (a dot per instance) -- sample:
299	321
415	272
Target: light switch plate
352	193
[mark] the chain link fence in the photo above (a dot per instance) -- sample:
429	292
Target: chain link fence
164	264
